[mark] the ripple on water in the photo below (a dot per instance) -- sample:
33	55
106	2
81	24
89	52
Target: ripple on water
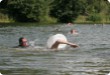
91	58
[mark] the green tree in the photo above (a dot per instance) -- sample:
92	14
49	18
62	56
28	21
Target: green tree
94	18
24	10
67	10
62	10
29	10
44	10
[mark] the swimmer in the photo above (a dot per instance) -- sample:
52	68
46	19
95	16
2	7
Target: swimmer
23	42
69	24
72	31
59	41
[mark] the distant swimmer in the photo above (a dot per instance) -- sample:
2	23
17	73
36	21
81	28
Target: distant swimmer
23	42
73	31
69	24
59	41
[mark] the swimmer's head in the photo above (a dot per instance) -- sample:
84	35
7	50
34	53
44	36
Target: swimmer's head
73	31
23	42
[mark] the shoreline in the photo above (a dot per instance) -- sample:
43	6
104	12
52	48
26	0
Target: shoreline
14	24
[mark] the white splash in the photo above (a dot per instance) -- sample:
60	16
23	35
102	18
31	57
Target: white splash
108	74
1	74
54	38
109	1
0	0
32	43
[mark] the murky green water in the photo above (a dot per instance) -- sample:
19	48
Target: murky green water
91	58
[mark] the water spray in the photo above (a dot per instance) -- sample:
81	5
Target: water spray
109	1
0	0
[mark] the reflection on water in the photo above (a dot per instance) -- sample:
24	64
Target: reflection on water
91	58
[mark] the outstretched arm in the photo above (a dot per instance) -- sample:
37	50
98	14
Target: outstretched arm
55	45
72	45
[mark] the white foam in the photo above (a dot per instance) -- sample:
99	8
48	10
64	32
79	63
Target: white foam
108	74
0	0
1	74
54	38
109	1
32	43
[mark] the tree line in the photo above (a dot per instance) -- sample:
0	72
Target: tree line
53	11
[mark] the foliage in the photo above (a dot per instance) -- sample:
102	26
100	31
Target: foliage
24	10
94	18
51	11
67	10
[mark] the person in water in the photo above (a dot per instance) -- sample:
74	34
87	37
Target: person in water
73	31
59	41
23	42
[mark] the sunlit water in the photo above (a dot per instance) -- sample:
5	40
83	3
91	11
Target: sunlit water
91	58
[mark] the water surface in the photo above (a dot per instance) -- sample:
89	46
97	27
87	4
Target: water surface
91	58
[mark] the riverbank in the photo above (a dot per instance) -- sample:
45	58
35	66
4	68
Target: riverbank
7	20
11	22
84	20
4	18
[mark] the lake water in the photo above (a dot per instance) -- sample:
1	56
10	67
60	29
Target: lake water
92	57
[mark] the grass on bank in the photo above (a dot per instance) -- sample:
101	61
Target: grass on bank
4	18
96	19
93	19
